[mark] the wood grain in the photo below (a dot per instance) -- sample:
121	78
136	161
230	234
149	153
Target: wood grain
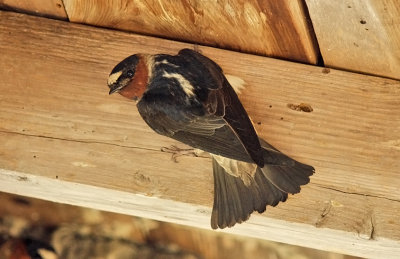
64	139
48	8
271	27
359	35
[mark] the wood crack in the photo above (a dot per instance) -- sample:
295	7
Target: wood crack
162	149
372	233
78	140
356	193
323	214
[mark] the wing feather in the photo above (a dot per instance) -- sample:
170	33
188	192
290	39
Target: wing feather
217	123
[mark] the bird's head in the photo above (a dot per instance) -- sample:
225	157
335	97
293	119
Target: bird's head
130	77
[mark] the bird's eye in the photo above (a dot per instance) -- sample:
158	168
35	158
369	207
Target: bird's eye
129	73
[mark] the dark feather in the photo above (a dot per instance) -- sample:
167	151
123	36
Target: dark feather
284	172
224	97
238	120
217	124
234	201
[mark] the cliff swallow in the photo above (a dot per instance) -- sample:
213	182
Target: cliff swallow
188	98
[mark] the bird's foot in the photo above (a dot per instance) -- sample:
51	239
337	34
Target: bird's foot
177	152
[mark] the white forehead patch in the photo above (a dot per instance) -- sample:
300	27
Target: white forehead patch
114	77
185	84
149	60
237	83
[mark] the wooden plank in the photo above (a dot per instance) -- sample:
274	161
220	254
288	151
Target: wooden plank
272	28
359	35
36	213
193	215
52	8
64	139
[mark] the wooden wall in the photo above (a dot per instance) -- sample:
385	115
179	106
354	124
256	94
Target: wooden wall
48	8
272	28
356	35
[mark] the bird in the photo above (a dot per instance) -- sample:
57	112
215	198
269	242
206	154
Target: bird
187	97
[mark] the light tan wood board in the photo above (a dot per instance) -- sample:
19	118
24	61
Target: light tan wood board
359	35
48	8
62	138
273	28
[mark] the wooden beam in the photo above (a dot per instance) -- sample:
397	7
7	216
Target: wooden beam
359	35
36	213
49	8
64	139
273	28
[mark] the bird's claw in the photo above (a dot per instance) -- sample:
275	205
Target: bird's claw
177	152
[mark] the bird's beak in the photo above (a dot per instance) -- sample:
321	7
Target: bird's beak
113	90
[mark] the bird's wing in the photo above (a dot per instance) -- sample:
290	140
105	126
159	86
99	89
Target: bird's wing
217	124
210	133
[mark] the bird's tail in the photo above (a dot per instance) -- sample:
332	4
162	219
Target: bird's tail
235	200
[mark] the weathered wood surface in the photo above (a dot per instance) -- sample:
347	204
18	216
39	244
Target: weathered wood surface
273	28
359	35
29	213
48	8
64	139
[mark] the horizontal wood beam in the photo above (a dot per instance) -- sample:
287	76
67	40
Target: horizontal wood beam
64	139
